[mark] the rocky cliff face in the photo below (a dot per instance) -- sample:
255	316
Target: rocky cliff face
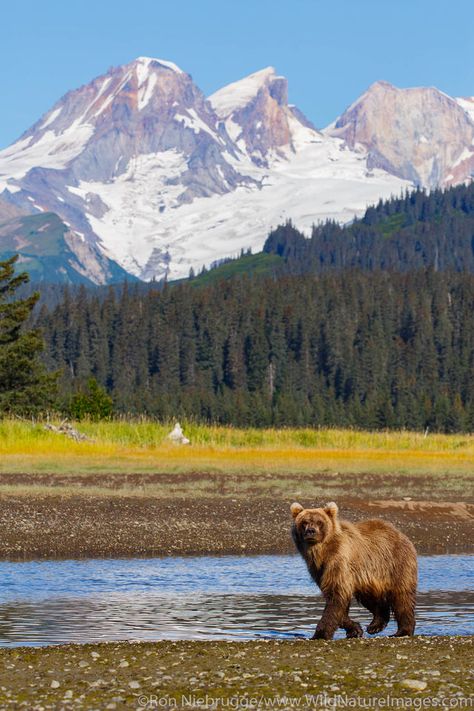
419	134
256	115
9	210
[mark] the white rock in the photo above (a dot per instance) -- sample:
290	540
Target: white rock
177	435
55	684
414	684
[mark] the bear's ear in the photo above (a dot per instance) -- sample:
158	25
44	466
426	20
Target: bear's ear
296	509
331	509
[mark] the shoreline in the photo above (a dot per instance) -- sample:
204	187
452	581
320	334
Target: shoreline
185	556
197	517
288	673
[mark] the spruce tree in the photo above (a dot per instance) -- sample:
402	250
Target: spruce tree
25	386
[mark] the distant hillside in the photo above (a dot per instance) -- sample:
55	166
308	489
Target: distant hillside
402	234
50	252
369	325
260	264
420	230
416	231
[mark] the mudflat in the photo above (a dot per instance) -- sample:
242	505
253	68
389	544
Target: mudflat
103	515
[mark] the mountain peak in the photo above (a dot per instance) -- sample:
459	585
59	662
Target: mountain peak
257	117
418	134
381	87
239	93
377	87
128	98
151	61
381	84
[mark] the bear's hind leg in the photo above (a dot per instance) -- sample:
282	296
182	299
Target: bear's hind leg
403	607
381	618
352	628
380	610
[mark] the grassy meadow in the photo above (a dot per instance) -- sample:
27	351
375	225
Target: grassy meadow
142	446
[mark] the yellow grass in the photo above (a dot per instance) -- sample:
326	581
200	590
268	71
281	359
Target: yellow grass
141	446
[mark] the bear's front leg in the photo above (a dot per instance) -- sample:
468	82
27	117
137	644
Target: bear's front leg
333	616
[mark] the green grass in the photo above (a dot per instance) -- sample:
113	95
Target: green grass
392	224
142	445
149	433
250	264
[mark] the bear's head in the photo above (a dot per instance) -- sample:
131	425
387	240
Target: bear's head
314	526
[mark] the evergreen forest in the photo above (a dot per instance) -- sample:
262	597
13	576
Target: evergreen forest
367	325
371	350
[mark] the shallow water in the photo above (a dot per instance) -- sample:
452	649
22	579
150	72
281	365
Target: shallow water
229	597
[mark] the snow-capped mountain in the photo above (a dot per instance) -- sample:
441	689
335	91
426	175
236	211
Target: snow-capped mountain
144	129
145	170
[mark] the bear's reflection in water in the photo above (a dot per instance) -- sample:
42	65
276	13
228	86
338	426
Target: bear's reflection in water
229	597
201	616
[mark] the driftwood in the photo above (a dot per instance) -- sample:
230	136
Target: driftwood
68	430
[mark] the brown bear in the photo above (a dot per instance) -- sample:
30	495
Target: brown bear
371	561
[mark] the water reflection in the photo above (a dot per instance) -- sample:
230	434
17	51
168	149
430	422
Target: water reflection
199	598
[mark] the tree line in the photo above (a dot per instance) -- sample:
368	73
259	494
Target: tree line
371	350
416	231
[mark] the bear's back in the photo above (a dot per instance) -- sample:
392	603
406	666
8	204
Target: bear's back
385	553
381	532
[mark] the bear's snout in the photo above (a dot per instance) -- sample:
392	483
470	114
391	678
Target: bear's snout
310	532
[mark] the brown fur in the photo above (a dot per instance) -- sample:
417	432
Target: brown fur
370	560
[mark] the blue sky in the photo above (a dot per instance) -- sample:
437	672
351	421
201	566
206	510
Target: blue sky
329	51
